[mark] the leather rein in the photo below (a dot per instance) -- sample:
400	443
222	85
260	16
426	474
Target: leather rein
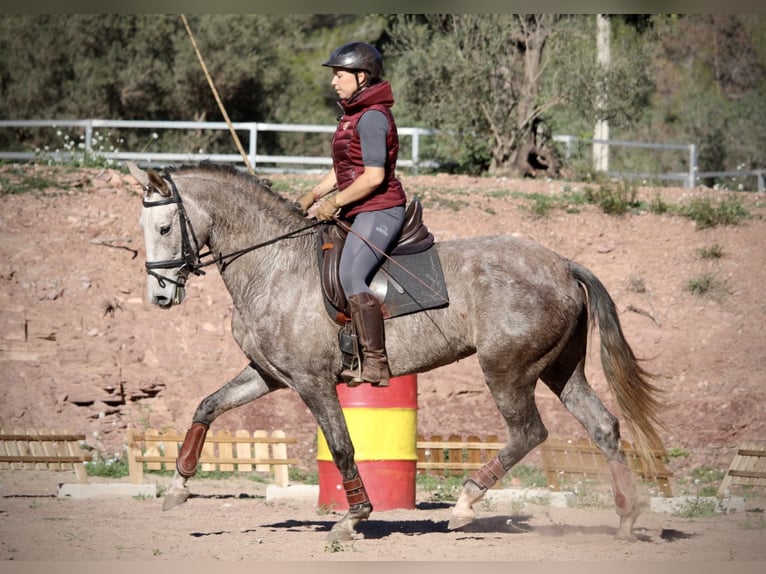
191	260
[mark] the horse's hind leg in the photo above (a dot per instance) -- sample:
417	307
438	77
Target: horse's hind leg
245	387
578	397
515	399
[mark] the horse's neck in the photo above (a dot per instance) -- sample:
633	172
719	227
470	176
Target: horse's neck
236	223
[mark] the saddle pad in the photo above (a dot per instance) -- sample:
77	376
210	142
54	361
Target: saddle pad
408	284
417	287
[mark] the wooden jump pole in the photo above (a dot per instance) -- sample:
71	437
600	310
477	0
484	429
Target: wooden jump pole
217	97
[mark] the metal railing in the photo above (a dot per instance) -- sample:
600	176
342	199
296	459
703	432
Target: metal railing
689	178
251	129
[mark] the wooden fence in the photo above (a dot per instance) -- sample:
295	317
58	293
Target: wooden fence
242	452
747	468
455	455
43	450
562	459
572	460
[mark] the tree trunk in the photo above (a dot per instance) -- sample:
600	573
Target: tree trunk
520	153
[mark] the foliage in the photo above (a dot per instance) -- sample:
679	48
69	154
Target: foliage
478	81
714	251
296	474
495	85
581	82
707	213
705	284
710	74
697	507
440	488
110	467
15	181
658	206
530	476
677	452
613	197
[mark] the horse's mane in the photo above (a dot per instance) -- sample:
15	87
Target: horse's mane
256	188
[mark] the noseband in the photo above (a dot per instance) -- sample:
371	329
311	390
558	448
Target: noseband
190	260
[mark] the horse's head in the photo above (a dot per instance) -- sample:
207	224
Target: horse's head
172	250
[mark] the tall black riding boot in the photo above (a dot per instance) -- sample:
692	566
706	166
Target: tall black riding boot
368	321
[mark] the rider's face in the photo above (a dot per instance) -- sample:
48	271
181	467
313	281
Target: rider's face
345	82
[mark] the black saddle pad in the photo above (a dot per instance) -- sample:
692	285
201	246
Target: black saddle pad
406	283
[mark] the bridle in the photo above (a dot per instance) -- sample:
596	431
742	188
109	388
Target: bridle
191	261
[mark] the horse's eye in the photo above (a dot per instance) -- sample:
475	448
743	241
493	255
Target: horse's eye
164	230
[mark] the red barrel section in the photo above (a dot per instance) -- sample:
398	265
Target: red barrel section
382	422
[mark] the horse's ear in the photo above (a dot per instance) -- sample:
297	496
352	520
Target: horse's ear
159	184
139	175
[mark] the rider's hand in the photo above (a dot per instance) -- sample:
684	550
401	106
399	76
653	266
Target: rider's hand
306	201
327	209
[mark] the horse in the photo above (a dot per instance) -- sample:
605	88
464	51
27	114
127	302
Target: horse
524	310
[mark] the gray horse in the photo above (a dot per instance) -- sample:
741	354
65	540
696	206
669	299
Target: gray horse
523	309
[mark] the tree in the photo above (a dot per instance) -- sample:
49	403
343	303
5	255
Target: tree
710	71
477	78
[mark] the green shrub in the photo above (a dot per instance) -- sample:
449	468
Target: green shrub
115	467
613	197
658	205
705	213
696	507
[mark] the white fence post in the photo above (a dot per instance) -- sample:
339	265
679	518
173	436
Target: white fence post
692	166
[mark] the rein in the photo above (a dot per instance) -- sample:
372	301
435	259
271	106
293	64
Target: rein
191	261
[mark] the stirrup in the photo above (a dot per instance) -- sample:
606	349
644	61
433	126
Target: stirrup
352	377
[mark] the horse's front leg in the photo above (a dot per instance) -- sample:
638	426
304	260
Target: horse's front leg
329	415
247	386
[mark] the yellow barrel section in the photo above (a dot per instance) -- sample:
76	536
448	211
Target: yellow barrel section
382	422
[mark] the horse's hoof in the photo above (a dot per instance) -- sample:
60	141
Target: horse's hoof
340	533
175	498
459	521
626	537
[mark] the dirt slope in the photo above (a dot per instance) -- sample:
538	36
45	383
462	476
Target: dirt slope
81	349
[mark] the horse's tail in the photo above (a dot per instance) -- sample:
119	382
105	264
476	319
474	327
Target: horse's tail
636	396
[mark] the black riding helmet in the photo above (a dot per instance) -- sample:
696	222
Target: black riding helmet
356	56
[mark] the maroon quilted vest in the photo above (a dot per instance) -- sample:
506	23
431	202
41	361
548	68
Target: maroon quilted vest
347	151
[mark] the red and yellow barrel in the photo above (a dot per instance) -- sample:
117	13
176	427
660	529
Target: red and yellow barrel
382	422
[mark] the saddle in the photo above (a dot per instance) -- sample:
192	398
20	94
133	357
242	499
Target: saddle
411	280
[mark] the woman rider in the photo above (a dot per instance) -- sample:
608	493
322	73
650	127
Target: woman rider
364	152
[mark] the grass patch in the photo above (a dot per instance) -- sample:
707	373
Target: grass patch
714	251
115	467
613	197
18	181
706	284
702	481
302	476
659	206
541	205
530	476
636	284
440	488
707	213
697	507
677	452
